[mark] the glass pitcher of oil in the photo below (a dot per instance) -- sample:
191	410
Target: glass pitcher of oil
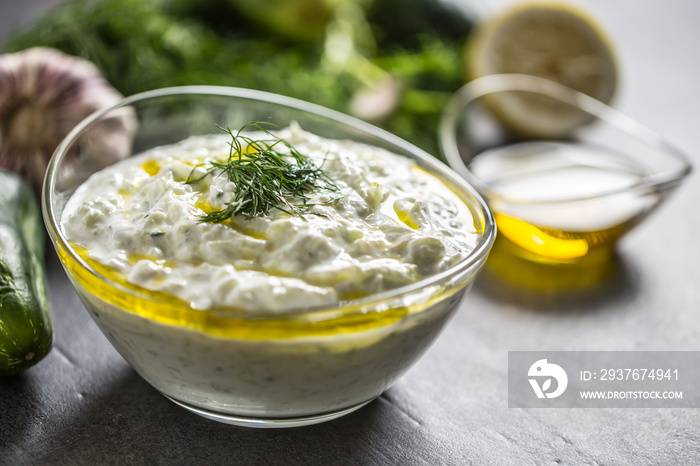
560	204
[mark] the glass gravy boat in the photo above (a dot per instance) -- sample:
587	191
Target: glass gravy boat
561	201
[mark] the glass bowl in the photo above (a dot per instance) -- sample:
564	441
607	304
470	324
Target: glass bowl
565	175
264	370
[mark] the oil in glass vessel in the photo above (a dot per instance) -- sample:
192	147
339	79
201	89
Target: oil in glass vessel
560	205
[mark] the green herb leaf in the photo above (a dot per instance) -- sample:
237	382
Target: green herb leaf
269	174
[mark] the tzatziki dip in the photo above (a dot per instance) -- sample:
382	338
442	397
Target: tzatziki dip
234	337
390	224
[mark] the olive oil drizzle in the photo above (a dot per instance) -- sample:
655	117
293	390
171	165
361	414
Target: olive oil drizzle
230	323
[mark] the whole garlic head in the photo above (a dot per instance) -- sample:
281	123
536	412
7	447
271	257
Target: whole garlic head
44	93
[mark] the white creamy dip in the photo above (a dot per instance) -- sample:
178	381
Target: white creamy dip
393	225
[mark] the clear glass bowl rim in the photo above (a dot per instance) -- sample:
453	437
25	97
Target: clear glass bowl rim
512	82
344	308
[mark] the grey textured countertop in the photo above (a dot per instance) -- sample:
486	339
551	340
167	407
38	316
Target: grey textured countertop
84	405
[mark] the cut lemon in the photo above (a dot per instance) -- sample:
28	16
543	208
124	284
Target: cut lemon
549	40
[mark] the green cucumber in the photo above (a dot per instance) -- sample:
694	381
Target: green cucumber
404	24
26	329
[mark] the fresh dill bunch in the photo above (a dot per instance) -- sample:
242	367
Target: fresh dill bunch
269	173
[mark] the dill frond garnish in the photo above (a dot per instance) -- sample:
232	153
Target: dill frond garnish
269	174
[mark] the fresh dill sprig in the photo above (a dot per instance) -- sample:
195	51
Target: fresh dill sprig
269	174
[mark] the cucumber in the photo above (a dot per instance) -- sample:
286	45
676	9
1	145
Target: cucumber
300	20
26	329
404	23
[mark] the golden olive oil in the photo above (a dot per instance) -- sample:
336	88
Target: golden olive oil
559	205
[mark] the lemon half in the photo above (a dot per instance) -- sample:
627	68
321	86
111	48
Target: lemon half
550	40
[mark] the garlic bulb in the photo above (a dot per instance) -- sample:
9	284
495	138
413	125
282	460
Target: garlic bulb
44	93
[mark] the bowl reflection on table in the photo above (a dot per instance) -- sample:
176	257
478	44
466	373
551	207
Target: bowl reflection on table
267	370
560	205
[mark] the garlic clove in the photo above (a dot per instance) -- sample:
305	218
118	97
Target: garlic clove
44	93
377	102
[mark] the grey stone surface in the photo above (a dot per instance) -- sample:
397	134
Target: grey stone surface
84	405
